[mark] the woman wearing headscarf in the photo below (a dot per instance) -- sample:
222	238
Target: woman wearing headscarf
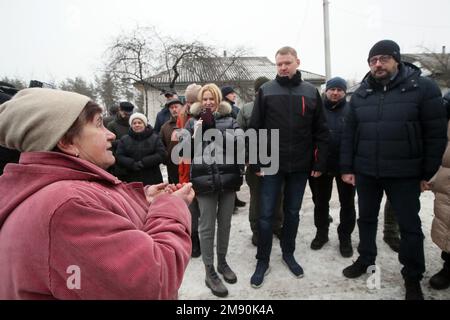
69	229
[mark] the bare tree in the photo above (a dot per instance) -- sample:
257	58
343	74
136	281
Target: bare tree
132	59
437	64
148	59
176	53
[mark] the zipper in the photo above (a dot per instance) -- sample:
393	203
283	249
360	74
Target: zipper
291	107
377	149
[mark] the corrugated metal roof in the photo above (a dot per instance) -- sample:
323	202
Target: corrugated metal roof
225	69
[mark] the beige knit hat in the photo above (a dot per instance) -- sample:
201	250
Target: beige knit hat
191	93
36	119
139	116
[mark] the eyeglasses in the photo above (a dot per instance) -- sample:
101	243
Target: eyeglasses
383	59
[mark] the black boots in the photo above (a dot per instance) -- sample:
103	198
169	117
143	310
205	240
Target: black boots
345	247
413	290
320	240
356	270
214	283
441	280
196	252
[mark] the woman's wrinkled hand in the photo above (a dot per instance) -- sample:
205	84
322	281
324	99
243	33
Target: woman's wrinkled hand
152	191
185	192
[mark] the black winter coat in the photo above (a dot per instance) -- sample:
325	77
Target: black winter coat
396	131
140	154
294	107
209	178
447	104
335	114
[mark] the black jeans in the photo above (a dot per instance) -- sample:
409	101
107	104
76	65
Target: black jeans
321	189
404	197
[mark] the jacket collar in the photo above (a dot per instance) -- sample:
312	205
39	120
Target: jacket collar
294	81
223	110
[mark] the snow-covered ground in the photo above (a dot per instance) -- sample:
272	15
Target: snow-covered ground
323	269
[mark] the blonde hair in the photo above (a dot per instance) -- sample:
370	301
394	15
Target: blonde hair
287	50
214	90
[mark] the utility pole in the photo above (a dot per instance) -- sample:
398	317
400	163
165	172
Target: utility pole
326	23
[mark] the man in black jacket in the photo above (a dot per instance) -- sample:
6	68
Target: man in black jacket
292	107
336	108
393	141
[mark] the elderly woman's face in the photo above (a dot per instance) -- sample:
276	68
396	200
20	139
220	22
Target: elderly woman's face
94	143
138	125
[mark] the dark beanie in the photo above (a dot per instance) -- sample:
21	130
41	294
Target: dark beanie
126	106
336	82
385	47
259	82
226	90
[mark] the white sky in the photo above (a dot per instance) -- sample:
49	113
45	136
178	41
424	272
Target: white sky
50	40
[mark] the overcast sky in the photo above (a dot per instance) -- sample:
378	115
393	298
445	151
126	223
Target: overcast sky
50	40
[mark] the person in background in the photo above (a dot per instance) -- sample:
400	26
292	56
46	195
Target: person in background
253	181
140	152
440	230
169	138
112	114
120	126
7	91
393	141
336	108
164	115
89	236
184	169
229	95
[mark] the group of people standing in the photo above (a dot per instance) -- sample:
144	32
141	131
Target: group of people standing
64	195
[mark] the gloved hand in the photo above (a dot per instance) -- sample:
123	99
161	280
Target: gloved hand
208	119
137	166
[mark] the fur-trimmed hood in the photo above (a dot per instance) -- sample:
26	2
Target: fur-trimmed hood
223	110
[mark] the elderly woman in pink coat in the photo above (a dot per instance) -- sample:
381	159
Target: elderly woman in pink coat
68	228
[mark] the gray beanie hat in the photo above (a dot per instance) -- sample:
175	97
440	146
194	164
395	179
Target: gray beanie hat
36	119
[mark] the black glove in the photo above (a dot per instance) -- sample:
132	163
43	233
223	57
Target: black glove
137	166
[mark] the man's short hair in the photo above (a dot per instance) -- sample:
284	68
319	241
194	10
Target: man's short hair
287	50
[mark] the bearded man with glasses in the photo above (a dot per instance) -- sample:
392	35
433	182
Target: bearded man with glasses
393	141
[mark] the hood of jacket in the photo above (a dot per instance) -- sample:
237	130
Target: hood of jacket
45	168
223	110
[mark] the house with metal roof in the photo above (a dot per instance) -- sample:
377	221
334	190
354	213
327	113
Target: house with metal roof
239	72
